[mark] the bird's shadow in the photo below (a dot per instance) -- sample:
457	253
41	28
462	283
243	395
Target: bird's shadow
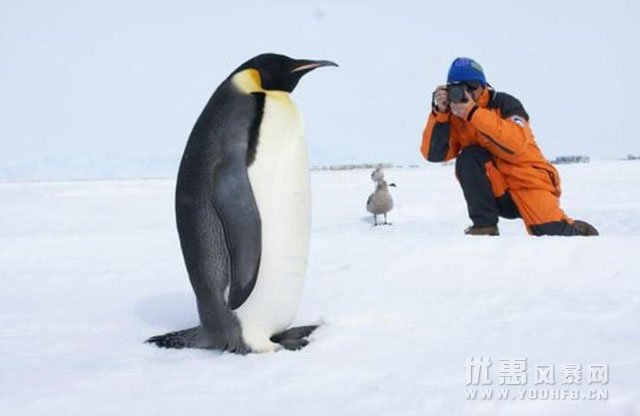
170	310
368	219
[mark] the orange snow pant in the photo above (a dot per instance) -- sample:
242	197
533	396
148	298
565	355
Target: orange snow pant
536	206
488	197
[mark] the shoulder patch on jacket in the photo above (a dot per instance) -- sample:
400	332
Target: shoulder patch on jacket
508	105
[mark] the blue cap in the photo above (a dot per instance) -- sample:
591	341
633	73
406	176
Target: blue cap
465	69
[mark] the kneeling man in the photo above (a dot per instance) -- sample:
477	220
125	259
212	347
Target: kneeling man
498	163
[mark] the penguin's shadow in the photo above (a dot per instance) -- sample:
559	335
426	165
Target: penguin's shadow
170	310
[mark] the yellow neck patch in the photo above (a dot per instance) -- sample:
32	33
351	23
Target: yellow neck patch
248	81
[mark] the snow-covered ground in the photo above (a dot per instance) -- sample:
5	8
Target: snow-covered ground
88	270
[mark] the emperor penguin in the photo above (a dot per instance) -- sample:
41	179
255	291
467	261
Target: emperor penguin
243	211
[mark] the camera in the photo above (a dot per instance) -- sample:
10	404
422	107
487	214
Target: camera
457	93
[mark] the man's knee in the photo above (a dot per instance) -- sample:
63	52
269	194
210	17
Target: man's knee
471	155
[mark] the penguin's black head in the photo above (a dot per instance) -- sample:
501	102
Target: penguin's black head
279	72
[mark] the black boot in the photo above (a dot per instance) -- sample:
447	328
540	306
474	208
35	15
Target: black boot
475	230
584	228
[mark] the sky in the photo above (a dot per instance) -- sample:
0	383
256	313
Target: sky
113	88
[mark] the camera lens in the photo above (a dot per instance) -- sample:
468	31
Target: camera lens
456	93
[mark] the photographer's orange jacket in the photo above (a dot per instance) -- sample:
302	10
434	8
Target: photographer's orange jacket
500	125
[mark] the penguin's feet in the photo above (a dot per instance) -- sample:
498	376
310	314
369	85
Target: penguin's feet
237	347
294	344
187	338
294	339
296	332
197	337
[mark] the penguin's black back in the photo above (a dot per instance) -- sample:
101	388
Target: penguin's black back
229	122
215	207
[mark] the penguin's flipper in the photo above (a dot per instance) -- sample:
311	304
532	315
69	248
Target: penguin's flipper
236	206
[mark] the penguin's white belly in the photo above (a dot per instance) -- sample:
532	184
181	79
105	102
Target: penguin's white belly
279	177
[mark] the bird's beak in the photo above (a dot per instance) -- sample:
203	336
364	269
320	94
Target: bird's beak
392	184
305	65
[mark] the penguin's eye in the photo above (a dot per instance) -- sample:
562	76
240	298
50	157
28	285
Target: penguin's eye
272	69
272	76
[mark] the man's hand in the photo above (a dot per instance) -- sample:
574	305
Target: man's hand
441	98
462	109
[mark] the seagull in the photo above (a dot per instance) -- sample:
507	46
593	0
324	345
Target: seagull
380	201
377	174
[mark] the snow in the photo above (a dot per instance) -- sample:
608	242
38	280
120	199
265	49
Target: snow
88	270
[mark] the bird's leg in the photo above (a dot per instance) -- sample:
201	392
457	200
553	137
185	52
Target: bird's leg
385	220
375	220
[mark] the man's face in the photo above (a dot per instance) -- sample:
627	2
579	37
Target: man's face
475	94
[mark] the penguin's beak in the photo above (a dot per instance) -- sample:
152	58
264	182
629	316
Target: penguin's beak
304	65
